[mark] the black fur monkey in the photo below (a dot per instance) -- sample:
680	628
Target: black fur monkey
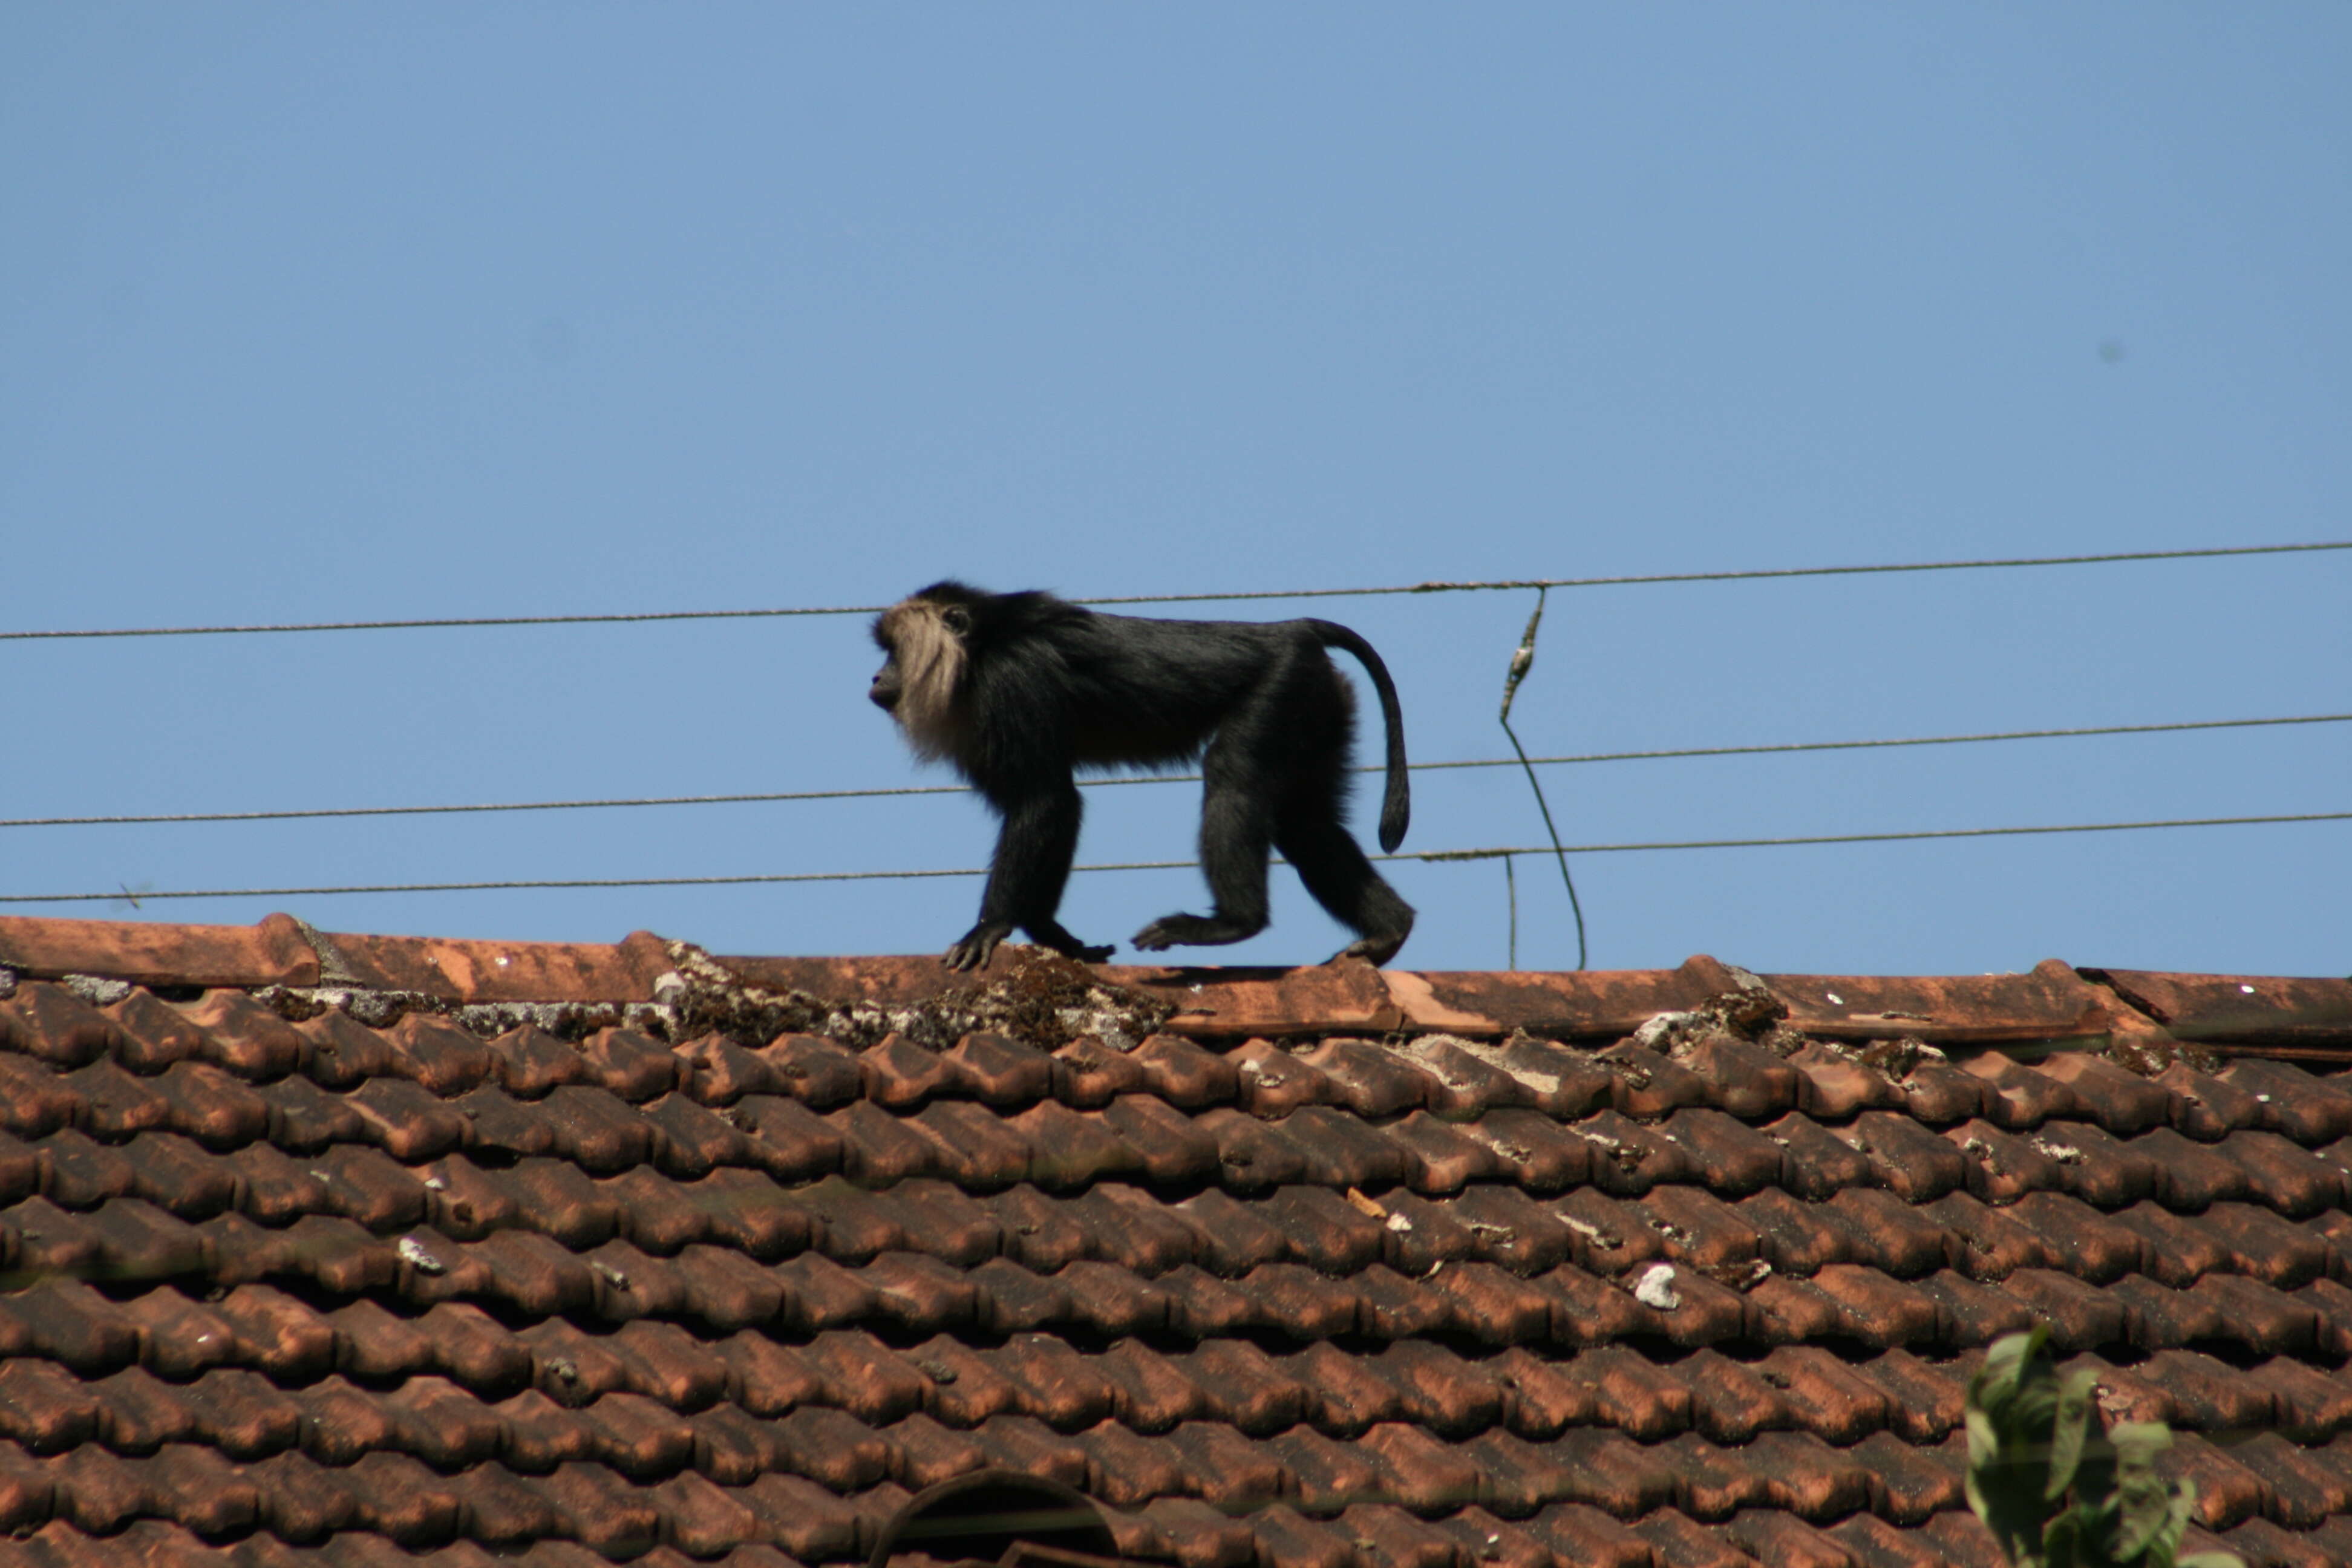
1017	690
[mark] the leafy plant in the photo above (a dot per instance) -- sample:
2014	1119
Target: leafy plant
2056	1484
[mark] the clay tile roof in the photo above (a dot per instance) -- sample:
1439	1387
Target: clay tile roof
334	1248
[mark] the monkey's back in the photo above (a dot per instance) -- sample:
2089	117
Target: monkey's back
1145	693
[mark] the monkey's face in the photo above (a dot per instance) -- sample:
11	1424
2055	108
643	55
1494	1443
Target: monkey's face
922	643
887	686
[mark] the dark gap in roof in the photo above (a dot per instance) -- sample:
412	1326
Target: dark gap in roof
2240	1356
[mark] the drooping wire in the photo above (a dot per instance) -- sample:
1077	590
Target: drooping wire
447	622
1511	896
1523	659
1428	855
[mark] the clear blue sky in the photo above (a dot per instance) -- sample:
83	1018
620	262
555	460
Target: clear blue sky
332	312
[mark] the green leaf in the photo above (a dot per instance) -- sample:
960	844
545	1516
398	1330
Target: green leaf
2167	1540
1984	1438
2004	1370
2071	1423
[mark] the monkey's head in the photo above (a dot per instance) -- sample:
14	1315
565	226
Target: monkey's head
925	645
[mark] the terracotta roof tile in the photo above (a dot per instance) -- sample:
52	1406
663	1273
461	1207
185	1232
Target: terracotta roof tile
453	1281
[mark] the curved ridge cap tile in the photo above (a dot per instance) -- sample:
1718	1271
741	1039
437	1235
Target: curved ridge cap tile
2239	1009
888	980
462	970
2050	1001
1239	1002
1591	1003
272	951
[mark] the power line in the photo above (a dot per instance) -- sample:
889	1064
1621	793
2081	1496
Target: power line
763	797
298	815
1802	840
1903	740
1747	577
447	622
1434	856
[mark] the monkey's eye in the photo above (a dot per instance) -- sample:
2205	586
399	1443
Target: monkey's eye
957	619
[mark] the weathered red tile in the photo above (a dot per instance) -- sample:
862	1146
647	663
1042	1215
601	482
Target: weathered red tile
34	1101
1183	1074
1250	1390
1983	1242
2312	1404
2240	1010
1481	1537
1529	1149
1818	1162
2260	1540
272	952
1326	1475
2302	1490
1889	1235
1087	1073
2118	1099
1064	1149
1584	1535
2080	1316
1743	1078
1300	1302
240	1036
1590	1005
2019	1097
1000	1070
1880	1545
1200	1535
463	970
1773	1537
1285	1536
344	1053
2307	1109
1680	1540
1167	1146
114	1104
1235	1004
2051	1003
1731	1401
2101	1169
1460	1078
1647	1085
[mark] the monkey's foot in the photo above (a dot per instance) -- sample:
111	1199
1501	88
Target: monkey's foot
1375	949
1051	933
1195	930
975	947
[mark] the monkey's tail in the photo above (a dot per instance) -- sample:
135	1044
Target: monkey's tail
1396	804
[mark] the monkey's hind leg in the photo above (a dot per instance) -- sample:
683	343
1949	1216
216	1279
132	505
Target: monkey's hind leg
1233	844
1326	856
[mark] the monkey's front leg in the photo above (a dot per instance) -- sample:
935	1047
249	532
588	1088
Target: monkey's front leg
1025	877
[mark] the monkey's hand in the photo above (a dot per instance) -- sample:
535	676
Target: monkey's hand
977	946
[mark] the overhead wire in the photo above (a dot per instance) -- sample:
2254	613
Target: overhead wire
767	797
1427	856
634	617
1507	854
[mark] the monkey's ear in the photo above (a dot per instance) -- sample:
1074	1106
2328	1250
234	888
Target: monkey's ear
957	619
